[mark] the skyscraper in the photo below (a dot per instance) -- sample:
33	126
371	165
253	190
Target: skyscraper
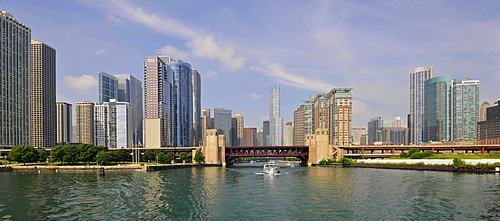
64	123
356	135
249	135
374	125
85	122
240	124
14	81
43	95
108	87
275	137
158	103
265	133
465	109
105	124
222	122
196	109
130	90
182	101
437	109
299	120
397	122
417	79
482	111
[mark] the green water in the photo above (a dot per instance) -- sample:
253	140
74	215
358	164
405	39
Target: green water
238	193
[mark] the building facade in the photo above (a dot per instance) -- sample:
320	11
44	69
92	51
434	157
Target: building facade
249	137
130	91
239	124
15	44
105	124
416	121
43	95
108	87
340	116
196	133
64	122
299	129
85	122
356	135
489	130
288	141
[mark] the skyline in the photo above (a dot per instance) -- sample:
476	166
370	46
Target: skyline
246	48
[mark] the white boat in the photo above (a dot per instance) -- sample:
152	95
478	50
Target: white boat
271	168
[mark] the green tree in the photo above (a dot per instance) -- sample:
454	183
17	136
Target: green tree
417	155
24	154
427	153
105	157
57	153
199	157
71	154
148	155
123	155
404	154
42	155
170	156
457	163
183	156
412	151
346	160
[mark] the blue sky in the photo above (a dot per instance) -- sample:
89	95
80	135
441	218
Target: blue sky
243	49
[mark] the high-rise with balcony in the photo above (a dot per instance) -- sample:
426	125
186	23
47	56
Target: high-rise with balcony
15	43
85	122
340	116
275	137
43	95
465	109
158	103
64	122
416	121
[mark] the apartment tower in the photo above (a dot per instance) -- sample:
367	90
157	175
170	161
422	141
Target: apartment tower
43	95
275	137
416	121
64	123
85	122
15	43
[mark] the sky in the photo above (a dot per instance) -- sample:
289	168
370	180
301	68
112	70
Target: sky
243	49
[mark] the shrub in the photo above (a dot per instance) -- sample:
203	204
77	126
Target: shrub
404	155
412	151
346	160
428	153
457	163
417	155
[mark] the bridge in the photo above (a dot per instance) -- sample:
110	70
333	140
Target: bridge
301	152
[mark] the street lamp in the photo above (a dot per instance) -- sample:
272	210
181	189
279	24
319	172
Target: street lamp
486	136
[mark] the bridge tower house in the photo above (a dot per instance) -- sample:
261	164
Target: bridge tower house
319	149
214	148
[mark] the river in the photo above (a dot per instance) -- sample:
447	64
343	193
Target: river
238	193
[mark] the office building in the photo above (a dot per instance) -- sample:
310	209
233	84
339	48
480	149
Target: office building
85	122
130	91
43	95
265	133
249	137
239	124
275	137
196	131
393	135
15	42
105	124
64	122
299	128
158	103
374	125
437	109
417	79
108	87
465	109
223	124
482	110
124	125
288	141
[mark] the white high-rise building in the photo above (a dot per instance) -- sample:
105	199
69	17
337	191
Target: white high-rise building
397	122
417	79
275	137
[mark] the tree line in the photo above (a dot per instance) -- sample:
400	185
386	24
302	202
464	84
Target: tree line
88	153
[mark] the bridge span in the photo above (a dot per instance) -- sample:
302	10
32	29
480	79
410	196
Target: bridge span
301	152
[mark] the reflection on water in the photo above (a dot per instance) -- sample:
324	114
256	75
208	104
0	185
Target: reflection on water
300	193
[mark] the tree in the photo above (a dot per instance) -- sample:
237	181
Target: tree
24	154
199	157
122	155
412	151
428	153
71	154
404	154
149	155
42	155
457	163
105	157
57	153
183	156
169	157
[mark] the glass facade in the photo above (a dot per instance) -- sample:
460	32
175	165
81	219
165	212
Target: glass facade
130	90
437	110
465	106
275	137
374	125
182	103
416	121
108	87
223	123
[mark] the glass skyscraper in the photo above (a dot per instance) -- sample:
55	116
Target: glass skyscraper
108	87
275	137
437	121
374	125
465	106
223	123
130	90
15	41
197	125
416	121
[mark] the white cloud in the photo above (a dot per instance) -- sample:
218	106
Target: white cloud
100	52
275	70
360	113
211	73
254	95
84	84
174	52
206	47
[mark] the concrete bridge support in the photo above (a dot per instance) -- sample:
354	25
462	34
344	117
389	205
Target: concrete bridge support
319	149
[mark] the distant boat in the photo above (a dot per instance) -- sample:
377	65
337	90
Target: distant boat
290	165
252	162
271	168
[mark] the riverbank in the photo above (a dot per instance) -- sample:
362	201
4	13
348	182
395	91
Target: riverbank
119	167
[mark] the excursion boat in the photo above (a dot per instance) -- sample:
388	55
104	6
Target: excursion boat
271	168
